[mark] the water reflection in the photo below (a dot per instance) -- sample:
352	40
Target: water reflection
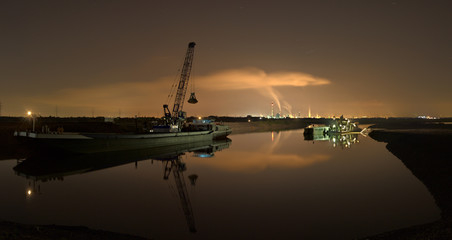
44	168
343	141
268	150
177	167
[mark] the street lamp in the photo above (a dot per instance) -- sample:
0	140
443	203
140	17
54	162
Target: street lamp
30	114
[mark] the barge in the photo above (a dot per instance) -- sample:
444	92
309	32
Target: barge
107	142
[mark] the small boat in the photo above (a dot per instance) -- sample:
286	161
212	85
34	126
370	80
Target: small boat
337	126
316	132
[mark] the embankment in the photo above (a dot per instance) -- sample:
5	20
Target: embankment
426	153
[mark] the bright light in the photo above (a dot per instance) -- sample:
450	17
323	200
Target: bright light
199	118
29	113
29	192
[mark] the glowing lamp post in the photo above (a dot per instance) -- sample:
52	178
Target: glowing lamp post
30	114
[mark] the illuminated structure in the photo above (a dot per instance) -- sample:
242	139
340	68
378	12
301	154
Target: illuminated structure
343	125
322	133
421	117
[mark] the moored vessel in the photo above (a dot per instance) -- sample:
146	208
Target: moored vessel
336	126
343	125
107	142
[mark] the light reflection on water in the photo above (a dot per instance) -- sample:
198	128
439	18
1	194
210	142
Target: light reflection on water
271	185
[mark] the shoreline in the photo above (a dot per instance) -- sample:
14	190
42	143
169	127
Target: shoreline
424	151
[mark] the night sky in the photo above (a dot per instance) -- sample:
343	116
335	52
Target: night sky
111	58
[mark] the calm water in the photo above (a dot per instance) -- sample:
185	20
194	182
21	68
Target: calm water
259	186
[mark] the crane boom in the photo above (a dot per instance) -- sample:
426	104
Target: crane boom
183	82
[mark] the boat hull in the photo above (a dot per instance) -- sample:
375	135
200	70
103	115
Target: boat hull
94	142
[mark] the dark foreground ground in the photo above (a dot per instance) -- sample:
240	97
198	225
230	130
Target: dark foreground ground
15	231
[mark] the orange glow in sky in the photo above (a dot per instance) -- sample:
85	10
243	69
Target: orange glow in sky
352	58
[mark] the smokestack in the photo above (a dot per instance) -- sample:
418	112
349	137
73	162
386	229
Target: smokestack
272	110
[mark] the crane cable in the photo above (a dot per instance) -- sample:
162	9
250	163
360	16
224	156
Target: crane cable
173	88
175	82
192	99
192	86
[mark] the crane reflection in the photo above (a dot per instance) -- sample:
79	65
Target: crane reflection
39	169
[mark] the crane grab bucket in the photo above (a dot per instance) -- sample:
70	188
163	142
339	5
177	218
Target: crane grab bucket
192	98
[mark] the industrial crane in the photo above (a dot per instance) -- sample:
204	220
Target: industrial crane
177	116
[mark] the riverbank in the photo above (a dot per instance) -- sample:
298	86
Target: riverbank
425	151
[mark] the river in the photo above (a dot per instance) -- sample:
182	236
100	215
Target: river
270	185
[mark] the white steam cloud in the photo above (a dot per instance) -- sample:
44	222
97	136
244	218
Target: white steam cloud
246	78
254	78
